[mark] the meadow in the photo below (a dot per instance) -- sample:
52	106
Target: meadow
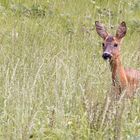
54	84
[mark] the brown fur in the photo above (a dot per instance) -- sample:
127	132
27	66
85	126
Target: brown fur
123	79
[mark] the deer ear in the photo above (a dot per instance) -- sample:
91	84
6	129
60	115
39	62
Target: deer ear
101	30
121	31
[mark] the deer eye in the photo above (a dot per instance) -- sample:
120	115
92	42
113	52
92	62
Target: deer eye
115	45
103	44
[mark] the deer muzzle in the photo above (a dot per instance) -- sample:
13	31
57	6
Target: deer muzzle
106	55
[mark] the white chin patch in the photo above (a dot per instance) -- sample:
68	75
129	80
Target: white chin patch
108	60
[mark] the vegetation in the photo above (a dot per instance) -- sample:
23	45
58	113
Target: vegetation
54	84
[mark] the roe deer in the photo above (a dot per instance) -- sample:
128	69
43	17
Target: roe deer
123	79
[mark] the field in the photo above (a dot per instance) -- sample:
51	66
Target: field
54	84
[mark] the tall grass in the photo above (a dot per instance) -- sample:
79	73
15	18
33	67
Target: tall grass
53	81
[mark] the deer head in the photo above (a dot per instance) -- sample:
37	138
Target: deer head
111	44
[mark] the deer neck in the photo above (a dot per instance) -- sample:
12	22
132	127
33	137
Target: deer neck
118	73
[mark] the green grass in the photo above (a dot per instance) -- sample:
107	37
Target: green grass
53	81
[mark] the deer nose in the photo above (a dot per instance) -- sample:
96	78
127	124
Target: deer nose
106	55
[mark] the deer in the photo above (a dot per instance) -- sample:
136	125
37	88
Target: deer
123	79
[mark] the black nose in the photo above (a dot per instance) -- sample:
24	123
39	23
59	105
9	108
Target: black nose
106	56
